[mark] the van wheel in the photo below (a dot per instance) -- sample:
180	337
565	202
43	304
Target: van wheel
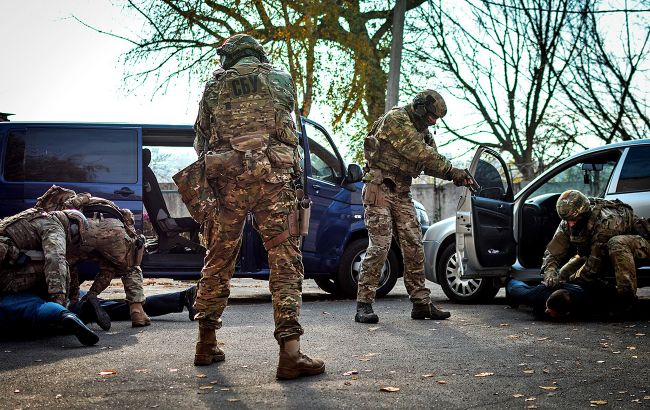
326	284
462	290
348	275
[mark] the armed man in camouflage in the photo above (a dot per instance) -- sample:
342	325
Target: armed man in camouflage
248	140
591	230
112	242
398	148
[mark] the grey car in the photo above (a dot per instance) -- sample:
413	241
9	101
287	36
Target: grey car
497	234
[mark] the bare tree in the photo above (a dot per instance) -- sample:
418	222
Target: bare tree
502	61
345	41
607	85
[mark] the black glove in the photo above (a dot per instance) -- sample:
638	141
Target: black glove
458	176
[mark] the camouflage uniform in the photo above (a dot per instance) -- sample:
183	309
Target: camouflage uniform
248	140
607	229
111	240
398	148
34	229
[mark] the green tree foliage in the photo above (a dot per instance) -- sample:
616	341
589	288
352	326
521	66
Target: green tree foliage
336	50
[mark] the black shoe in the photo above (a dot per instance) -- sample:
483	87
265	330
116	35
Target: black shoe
428	311
365	313
74	325
92	311
188	296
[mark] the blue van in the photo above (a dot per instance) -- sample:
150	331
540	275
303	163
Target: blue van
124	162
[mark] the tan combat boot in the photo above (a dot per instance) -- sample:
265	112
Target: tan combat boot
207	350
293	363
138	317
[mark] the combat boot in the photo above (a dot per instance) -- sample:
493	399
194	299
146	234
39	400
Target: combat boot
207	349
428	311
188	296
365	314
92	311
293	363
74	325
138	317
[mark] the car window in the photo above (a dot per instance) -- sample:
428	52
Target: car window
72	155
491	176
167	161
635	174
325	165
575	177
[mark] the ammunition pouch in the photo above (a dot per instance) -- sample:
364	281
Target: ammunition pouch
226	164
196	192
282	156
372	194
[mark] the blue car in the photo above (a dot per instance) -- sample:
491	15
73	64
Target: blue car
129	163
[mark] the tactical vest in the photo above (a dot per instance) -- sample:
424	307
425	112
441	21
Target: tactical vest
614	218
381	154
243	143
17	227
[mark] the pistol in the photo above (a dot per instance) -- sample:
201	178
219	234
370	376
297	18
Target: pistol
473	186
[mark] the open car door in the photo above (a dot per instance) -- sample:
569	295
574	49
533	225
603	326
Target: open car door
485	243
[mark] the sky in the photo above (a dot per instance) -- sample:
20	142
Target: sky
55	69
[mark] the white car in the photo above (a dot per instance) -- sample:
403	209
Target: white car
497	234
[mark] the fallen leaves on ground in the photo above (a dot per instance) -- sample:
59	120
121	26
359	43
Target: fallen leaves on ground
504	324
441	381
58	396
207	387
390	389
531	399
348	383
425	376
17	391
529	371
631	348
598	402
513	337
517	395
484	374
107	372
173	370
350	373
548	387
232	400
201	376
600	361
639	334
372	329
540	339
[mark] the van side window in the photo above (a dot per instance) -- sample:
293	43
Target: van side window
635	175
72	155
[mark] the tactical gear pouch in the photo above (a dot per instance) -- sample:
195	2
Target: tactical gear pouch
372	194
285	129
223	164
642	227
196	192
304	216
281	156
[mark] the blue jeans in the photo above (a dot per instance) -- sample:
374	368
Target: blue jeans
25	312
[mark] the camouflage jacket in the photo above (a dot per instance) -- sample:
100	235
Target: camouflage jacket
36	230
606	220
401	151
225	107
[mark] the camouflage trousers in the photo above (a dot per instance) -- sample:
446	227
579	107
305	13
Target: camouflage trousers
30	277
624	250
386	214
113	249
270	204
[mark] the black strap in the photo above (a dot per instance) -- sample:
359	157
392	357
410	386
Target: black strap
89	210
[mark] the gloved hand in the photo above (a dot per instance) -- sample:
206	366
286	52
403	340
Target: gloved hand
551	279
459	177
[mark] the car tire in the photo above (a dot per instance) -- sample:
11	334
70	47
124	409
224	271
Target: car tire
327	284
348	274
462	290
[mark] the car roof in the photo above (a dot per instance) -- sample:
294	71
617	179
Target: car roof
623	144
152	134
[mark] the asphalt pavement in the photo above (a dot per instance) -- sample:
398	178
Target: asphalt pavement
485	356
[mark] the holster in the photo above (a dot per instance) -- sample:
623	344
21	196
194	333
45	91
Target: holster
303	214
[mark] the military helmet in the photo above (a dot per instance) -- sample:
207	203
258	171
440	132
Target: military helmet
429	102
572	204
78	226
239	46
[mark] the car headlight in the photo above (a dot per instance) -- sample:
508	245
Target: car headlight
423	218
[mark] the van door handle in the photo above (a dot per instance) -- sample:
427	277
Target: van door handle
316	187
125	191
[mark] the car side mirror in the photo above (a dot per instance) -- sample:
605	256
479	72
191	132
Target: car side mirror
354	174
